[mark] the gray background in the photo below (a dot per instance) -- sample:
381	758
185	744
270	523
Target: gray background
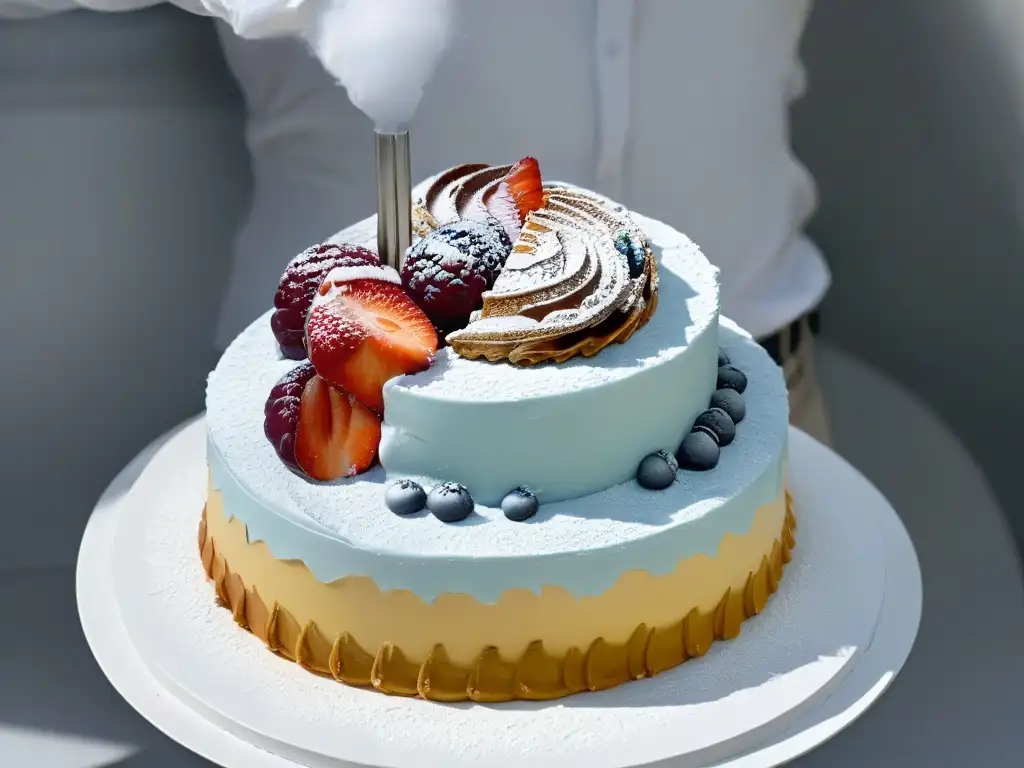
912	128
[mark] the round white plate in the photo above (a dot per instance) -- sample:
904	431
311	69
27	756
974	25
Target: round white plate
764	691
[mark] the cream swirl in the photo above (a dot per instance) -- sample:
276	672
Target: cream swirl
472	191
579	277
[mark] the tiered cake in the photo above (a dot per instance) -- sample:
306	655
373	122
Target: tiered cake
584	485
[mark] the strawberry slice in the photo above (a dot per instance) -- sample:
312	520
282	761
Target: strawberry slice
365	332
336	436
525	186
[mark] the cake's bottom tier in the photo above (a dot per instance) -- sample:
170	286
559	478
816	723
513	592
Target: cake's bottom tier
524	646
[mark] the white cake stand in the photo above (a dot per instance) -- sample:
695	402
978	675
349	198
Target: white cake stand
824	650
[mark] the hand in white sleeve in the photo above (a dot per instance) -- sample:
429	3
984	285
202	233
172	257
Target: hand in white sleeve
249	18
312	161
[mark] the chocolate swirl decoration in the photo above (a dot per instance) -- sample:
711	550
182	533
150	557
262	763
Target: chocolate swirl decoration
467	192
580	277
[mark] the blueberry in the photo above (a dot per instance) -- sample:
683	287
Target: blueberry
450	502
519	505
723	359
635	253
731	377
657	471
718	422
405	498
730	401
707	431
698	451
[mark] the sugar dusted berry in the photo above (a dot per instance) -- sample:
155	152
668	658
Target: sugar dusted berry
298	285
520	505
364	333
730	401
447	272
699	451
634	251
657	471
336	436
406	497
721	425
281	412
450	502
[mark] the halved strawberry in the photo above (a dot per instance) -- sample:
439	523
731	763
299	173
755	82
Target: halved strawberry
365	332
336	436
525	186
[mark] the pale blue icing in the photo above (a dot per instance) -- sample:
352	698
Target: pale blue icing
583	545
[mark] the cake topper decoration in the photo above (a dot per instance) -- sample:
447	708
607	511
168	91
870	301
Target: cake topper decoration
580	277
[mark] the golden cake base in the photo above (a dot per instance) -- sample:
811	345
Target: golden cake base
398	644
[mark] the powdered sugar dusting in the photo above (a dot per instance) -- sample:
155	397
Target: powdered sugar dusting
565	250
507	323
347	274
338	279
501	206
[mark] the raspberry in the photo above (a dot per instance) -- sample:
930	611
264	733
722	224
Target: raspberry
299	283
447	272
281	412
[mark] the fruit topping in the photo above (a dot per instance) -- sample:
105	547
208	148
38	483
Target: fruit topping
699	451
723	359
336	436
298	285
520	505
634	251
657	471
730	401
447	272
405	497
450	502
731	377
281	412
719	423
361	333
525	187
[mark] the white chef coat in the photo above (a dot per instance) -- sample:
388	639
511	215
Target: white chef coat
679	108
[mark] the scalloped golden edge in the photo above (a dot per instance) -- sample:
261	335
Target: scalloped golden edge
527	353
537	675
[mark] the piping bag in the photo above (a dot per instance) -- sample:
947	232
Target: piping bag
394	197
384	52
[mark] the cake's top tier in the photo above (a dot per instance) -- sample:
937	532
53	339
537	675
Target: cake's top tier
575	427
569	429
557	285
689	298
